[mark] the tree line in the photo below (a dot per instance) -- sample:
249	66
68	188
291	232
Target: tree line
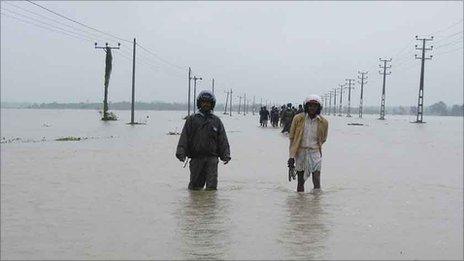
440	108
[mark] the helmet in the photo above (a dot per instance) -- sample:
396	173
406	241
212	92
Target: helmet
289	105
206	96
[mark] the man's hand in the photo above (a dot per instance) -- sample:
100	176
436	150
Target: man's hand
181	157
226	160
291	163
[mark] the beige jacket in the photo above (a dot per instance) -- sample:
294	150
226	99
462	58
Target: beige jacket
297	130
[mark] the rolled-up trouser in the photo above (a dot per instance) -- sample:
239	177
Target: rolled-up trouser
203	171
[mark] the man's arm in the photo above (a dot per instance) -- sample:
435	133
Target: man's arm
224	148
182	146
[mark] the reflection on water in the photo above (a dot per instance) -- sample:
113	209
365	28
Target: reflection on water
204	225
305	229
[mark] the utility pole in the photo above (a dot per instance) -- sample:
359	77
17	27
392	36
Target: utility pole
212	86
133	84
325	104
335	101
362	82
244	105
195	79
349	96
227	100
384	73
420	102
230	105
341	99
239	103
330	103
108	68
253	108
189	90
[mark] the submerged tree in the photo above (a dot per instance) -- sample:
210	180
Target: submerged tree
108	66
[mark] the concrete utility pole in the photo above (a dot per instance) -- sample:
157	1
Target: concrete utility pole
348	114
244	105
227	100
335	101
420	102
195	79
108	68
330	103
384	73
341	99
189	90
362	82
239	103
253	108
212	86
133	84
230	105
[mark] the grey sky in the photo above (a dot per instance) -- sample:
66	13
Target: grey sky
279	51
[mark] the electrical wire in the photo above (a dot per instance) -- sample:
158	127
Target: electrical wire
77	22
47	24
43	27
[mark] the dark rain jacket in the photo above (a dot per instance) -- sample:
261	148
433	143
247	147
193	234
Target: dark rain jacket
203	135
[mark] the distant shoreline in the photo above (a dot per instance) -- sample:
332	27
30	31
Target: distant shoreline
438	109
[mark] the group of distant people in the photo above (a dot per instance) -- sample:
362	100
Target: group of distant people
282	116
204	141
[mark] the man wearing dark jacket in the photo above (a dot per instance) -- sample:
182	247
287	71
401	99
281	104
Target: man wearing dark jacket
203	140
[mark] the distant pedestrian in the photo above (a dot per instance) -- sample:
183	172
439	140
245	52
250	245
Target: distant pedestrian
307	134
203	140
287	117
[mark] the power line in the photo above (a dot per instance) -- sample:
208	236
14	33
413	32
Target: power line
53	26
167	62
450	43
450	51
442	30
56	21
77	22
449	36
43	27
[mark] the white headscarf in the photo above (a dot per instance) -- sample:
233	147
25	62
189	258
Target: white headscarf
313	97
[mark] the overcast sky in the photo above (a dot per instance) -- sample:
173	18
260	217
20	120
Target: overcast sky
276	51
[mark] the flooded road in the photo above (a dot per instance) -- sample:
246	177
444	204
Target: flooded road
391	190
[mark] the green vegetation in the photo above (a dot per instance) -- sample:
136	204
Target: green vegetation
70	138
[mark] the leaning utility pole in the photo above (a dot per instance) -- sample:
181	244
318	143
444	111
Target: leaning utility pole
420	102
335	101
227	100
349	96
108	68
362	82
341	100
195	79
384	73
189	91
230	105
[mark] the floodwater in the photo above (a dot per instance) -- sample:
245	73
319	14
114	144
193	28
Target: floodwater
391	190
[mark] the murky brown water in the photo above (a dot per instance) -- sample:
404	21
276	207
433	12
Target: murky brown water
391	190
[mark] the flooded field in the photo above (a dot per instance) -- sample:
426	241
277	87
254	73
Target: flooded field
391	190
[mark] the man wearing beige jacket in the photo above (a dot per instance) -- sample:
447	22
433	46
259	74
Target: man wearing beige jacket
307	134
